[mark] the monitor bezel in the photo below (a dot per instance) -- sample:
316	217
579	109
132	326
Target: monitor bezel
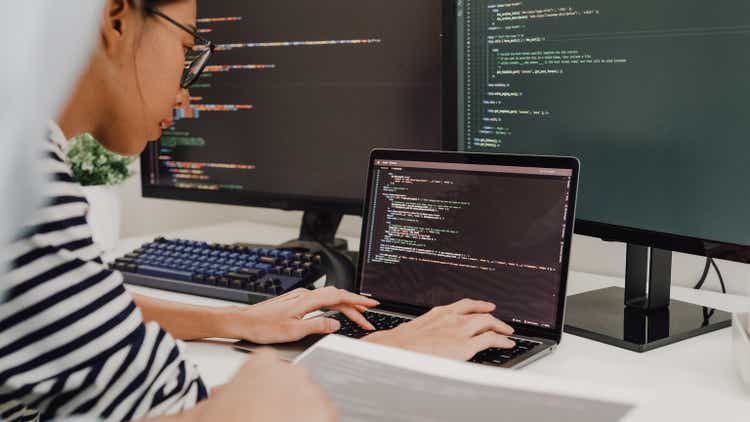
609	232
557	162
344	205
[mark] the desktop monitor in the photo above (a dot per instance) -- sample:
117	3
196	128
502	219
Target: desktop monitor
651	96
296	95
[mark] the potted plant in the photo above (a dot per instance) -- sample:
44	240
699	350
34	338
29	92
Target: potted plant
100	172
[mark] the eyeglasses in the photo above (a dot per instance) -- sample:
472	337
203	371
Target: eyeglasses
203	48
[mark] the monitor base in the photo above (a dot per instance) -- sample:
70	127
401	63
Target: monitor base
601	315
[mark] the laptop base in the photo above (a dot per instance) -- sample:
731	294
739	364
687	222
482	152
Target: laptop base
601	315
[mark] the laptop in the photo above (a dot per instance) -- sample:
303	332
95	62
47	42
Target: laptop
442	226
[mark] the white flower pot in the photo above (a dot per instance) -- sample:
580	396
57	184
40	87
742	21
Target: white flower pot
104	215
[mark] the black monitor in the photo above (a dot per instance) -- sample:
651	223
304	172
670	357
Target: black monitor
297	94
651	96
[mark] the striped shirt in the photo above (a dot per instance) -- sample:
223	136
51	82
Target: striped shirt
72	341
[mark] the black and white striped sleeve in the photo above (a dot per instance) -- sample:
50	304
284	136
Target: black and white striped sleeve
72	341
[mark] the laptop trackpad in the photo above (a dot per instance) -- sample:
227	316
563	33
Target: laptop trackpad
286	351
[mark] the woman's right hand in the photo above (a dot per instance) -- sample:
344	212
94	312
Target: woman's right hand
267	389
456	331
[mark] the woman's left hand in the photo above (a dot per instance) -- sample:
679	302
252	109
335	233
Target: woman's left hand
281	319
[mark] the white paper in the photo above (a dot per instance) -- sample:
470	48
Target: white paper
395	385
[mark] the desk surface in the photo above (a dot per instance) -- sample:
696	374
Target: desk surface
690	367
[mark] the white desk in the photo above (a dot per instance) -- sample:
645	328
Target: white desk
688	368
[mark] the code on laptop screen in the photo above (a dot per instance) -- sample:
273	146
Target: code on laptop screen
441	232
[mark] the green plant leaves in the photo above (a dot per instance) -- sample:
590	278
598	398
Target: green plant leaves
93	165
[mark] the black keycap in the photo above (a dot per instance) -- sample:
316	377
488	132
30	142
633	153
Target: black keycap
269	260
222	282
242	276
278	290
253	271
235	284
200	278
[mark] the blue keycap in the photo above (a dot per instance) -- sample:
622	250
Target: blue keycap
264	267
286	254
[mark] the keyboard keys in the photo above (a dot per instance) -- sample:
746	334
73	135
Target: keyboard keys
269	260
261	270
253	271
165	272
386	322
242	276
263	267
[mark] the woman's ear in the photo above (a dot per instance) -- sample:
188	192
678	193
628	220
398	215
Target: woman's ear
115	22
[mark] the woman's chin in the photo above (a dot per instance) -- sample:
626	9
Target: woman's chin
156	135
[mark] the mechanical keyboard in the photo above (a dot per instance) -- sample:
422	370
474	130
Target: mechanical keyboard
492	356
230	272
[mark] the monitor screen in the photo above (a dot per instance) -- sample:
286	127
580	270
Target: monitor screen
651	95
440	232
295	96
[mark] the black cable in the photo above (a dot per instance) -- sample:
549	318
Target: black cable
704	277
708	313
709	263
721	278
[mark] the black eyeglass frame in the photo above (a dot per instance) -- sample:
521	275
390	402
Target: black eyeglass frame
201	61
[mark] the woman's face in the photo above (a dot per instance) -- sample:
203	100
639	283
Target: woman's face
145	87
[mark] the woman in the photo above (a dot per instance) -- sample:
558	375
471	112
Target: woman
73	341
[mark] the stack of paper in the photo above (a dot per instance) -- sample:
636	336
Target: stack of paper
369	382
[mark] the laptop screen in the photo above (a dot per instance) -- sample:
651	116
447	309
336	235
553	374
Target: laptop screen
438	232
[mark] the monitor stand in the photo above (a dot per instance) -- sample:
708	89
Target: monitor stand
640	317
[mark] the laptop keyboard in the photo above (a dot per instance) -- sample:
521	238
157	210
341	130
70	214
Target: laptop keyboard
379	321
492	356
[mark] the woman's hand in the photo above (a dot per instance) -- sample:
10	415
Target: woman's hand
265	389
457	331
280	320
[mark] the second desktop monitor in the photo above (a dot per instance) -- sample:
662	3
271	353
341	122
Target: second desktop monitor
296	95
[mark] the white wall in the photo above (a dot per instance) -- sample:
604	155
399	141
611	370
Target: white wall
151	216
